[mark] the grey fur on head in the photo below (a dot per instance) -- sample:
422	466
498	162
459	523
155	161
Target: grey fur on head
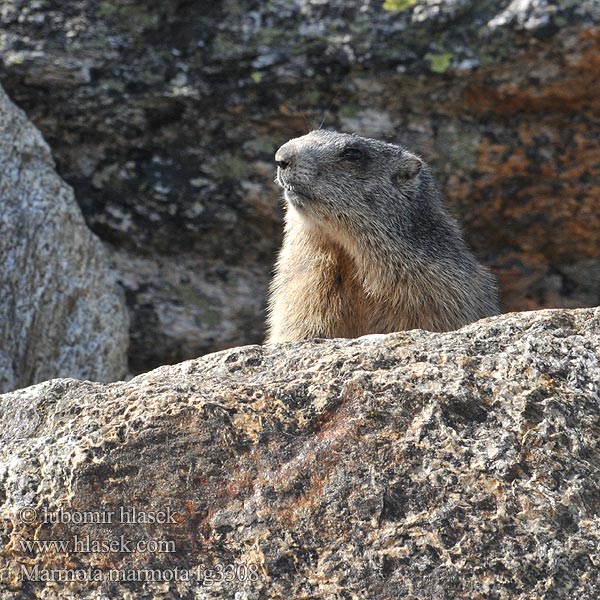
370	211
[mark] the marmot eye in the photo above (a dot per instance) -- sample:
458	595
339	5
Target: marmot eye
351	154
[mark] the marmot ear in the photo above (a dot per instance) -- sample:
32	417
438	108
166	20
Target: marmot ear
410	166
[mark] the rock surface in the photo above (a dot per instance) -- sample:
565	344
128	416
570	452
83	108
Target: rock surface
63	314
413	465
164	116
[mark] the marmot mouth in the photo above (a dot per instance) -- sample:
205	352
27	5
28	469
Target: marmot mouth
293	196
292	192
280	181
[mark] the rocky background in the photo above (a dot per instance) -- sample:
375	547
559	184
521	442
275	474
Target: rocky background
164	116
416	465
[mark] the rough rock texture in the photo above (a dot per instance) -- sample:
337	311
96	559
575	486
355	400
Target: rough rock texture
63	314
164	116
413	465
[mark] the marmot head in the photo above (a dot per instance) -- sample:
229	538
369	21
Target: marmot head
336	176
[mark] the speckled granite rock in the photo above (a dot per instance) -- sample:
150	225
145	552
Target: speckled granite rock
414	465
63	314
164	116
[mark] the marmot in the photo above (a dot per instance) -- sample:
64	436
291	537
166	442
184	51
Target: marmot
369	245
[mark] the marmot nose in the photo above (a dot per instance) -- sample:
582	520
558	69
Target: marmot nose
283	157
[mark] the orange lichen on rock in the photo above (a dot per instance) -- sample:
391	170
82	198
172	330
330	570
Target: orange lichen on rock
535	193
572	88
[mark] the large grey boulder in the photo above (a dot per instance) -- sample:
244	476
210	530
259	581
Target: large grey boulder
62	314
413	465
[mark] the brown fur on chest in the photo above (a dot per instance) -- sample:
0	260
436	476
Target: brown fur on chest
347	301
340	300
